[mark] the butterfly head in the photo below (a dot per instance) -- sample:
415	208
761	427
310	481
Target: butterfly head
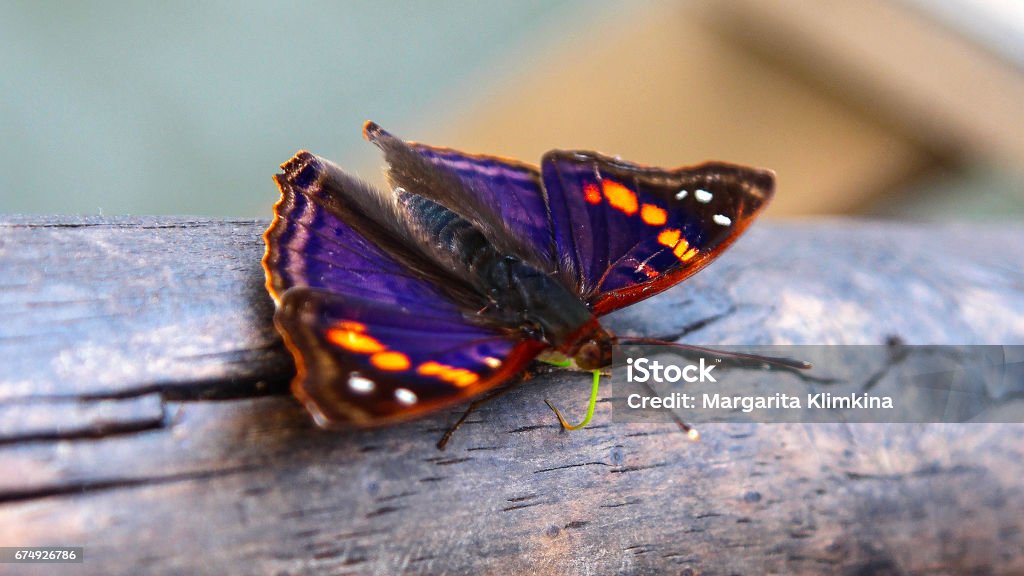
594	351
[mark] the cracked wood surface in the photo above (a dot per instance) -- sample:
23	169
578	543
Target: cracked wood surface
144	415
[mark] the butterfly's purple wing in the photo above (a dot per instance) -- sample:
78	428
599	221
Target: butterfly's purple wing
369	362
504	197
308	245
384	330
597	220
626	232
374	341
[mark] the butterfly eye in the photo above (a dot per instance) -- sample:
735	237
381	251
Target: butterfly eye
592	355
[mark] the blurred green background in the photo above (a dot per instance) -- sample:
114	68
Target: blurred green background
907	109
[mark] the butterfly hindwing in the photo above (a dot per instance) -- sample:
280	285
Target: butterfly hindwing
367	362
626	232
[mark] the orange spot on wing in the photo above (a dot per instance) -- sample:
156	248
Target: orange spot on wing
668	237
591	194
431	368
680	249
620	197
648	271
652	215
671	238
390	361
352	338
458	376
351	325
463	377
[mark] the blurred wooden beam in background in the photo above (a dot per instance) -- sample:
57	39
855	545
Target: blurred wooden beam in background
845	100
903	65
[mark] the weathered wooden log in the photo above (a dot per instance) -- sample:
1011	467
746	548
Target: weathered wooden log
144	415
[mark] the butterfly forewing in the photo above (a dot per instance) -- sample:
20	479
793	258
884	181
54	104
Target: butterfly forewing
627	232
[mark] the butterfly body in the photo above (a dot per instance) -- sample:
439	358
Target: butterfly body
514	293
397	302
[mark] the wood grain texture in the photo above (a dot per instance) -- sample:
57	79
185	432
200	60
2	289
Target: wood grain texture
144	415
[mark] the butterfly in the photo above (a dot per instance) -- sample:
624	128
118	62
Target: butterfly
398	302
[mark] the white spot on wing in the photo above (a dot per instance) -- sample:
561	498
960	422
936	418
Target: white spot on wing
360	384
492	362
681	194
702	196
406	396
722	220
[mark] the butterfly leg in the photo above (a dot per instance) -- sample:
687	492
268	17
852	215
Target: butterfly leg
443	442
692	433
590	406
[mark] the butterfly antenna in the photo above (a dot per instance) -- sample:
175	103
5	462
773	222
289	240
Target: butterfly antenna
690	431
773	360
590	406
